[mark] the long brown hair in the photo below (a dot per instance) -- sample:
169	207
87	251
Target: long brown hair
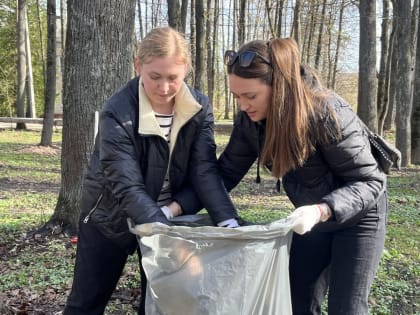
294	123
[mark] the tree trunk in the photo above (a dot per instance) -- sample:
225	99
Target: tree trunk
174	14
328	64
402	10
280	6
337	50
414	16
241	22
366	101
382	77
216	61
140	20
226	39
313	12
41	39
210	34
296	30
415	119
30	113
199	44
392	65
257	25
98	60
21	61
320	35
50	83
192	41
157	9
269	19
63	26
235	45
184	12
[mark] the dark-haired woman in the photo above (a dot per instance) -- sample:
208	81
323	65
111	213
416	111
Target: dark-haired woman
311	139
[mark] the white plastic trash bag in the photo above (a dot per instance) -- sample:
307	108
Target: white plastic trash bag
212	270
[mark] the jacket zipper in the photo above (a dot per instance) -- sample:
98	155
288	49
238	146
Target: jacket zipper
86	219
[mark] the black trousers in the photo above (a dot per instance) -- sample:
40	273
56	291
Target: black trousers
98	267
343	263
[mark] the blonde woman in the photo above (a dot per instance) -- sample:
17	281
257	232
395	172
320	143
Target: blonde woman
311	139
155	138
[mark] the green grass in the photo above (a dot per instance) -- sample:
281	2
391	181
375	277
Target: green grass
37	274
396	289
41	267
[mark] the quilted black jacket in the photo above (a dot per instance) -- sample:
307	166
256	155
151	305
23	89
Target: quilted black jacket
131	157
345	175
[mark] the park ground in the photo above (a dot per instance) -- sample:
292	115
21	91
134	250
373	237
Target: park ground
36	271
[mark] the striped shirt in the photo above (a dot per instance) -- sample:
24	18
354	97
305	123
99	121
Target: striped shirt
165	123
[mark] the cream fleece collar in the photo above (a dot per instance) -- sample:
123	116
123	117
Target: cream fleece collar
185	108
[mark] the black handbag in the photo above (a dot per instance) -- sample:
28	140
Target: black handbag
385	154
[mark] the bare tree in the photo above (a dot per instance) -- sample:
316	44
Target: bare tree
402	11
174	14
296	29
192	38
309	35
269	7
22	15
50	81
415	120
41	38
226	39
235	41
140	21
383	75
215	60
156	14
280	6
241	22
320	35
414	25
338	44
98	61
184	12
392	69
146	13
177	14
366	101
63	25
199	44
30	93
210	33
328	64
256	27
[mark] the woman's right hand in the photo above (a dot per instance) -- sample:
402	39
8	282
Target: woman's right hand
305	217
172	210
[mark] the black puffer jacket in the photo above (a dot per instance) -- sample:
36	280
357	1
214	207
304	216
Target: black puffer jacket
345	175
131	157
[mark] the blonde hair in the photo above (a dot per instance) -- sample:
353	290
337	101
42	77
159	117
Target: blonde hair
164	42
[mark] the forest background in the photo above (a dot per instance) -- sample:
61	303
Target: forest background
62	59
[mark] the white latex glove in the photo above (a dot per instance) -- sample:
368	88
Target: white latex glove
168	213
230	223
172	210
304	218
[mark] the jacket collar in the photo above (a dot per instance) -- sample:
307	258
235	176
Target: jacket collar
185	108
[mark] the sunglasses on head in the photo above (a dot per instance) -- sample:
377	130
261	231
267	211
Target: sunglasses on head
245	58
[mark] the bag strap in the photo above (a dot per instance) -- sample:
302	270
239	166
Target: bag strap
379	142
